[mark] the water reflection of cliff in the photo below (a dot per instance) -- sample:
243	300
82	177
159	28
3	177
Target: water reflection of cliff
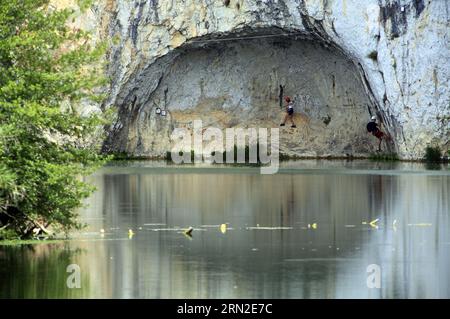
301	262
218	265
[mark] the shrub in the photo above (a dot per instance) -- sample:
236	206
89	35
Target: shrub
432	154
384	157
373	55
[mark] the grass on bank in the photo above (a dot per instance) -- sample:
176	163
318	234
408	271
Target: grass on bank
432	155
384	157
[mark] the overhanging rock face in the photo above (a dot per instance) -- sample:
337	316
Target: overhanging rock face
225	62
241	84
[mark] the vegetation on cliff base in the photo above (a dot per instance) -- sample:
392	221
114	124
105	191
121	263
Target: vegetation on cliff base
44	72
388	157
433	154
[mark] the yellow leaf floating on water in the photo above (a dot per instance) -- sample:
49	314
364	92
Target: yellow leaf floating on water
223	228
130	233
313	226
373	223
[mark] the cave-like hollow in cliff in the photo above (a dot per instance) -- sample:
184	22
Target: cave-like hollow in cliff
239	81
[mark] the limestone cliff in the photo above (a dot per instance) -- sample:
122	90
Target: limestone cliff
228	61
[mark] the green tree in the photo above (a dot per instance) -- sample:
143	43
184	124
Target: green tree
46	70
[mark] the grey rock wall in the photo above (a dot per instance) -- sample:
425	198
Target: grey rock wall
385	57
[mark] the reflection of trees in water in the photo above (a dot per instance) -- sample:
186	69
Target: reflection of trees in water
38	271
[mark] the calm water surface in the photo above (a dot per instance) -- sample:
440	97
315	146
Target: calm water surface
303	233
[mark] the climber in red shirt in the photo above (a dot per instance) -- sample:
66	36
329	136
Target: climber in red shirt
372	127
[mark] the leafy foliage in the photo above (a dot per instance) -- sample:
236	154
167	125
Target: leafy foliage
373	55
46	69
389	157
432	154
84	4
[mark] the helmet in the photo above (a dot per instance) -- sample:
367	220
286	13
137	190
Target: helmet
287	99
373	118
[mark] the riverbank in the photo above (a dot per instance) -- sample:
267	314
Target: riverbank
387	157
23	242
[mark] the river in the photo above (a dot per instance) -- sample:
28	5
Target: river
311	231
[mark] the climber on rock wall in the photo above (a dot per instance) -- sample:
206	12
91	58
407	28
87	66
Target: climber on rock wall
289	112
372	127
